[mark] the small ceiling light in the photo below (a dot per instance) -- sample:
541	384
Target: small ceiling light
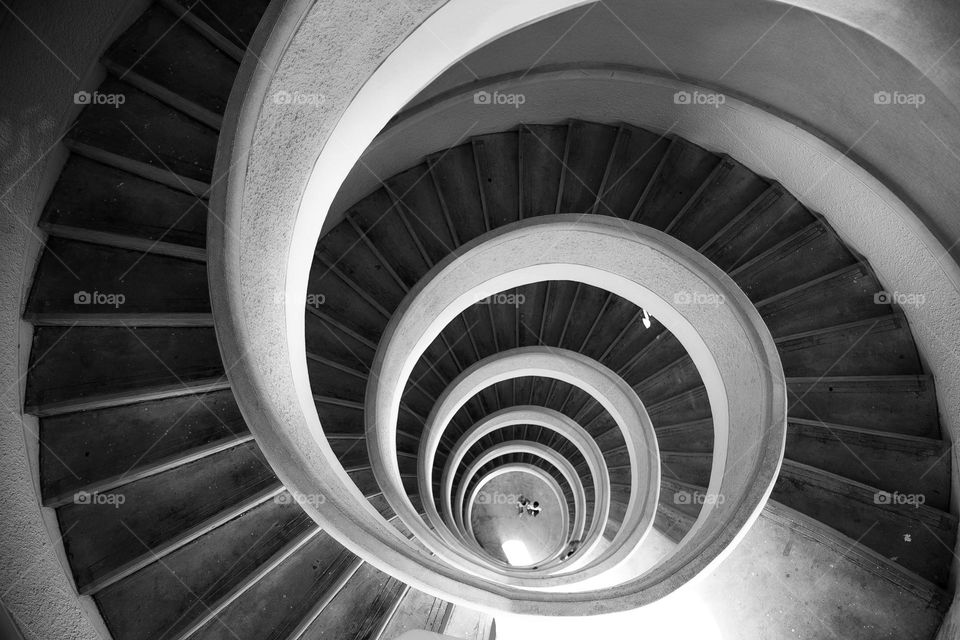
646	318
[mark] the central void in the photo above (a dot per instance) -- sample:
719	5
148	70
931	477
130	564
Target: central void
503	533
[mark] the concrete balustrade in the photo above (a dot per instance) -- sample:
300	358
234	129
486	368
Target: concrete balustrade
542	451
536	416
265	335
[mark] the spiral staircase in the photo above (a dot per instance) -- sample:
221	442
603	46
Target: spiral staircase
176	525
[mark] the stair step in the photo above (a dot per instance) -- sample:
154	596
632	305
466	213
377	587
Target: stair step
677	377
686	498
858	554
164	50
688	406
99	198
645	352
682	172
417	611
880	346
918	537
359	608
155	515
802	257
632	166
456	179
169	598
376	218
146	130
693	468
278	604
337	341
421	210
497	160
845	295
730	190
68	371
346	250
236	23
672	523
541	167
94	448
619	318
888	461
80	279
155	247
774	216
907	403
342	302
338	382
691	437
589	147
160	174
164	95
351	452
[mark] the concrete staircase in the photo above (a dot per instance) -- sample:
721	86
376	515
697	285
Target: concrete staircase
171	519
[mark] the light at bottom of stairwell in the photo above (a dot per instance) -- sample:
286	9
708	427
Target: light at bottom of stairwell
517	553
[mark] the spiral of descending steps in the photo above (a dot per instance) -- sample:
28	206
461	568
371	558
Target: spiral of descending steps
176	525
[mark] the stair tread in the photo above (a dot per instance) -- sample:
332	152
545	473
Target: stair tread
90	195
81	278
68	368
165	50
146	130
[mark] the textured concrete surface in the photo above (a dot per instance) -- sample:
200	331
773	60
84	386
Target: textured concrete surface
47	52
780	583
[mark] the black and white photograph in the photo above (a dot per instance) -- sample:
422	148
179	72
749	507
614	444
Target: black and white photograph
479	319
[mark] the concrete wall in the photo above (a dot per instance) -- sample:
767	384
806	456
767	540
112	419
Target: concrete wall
48	51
